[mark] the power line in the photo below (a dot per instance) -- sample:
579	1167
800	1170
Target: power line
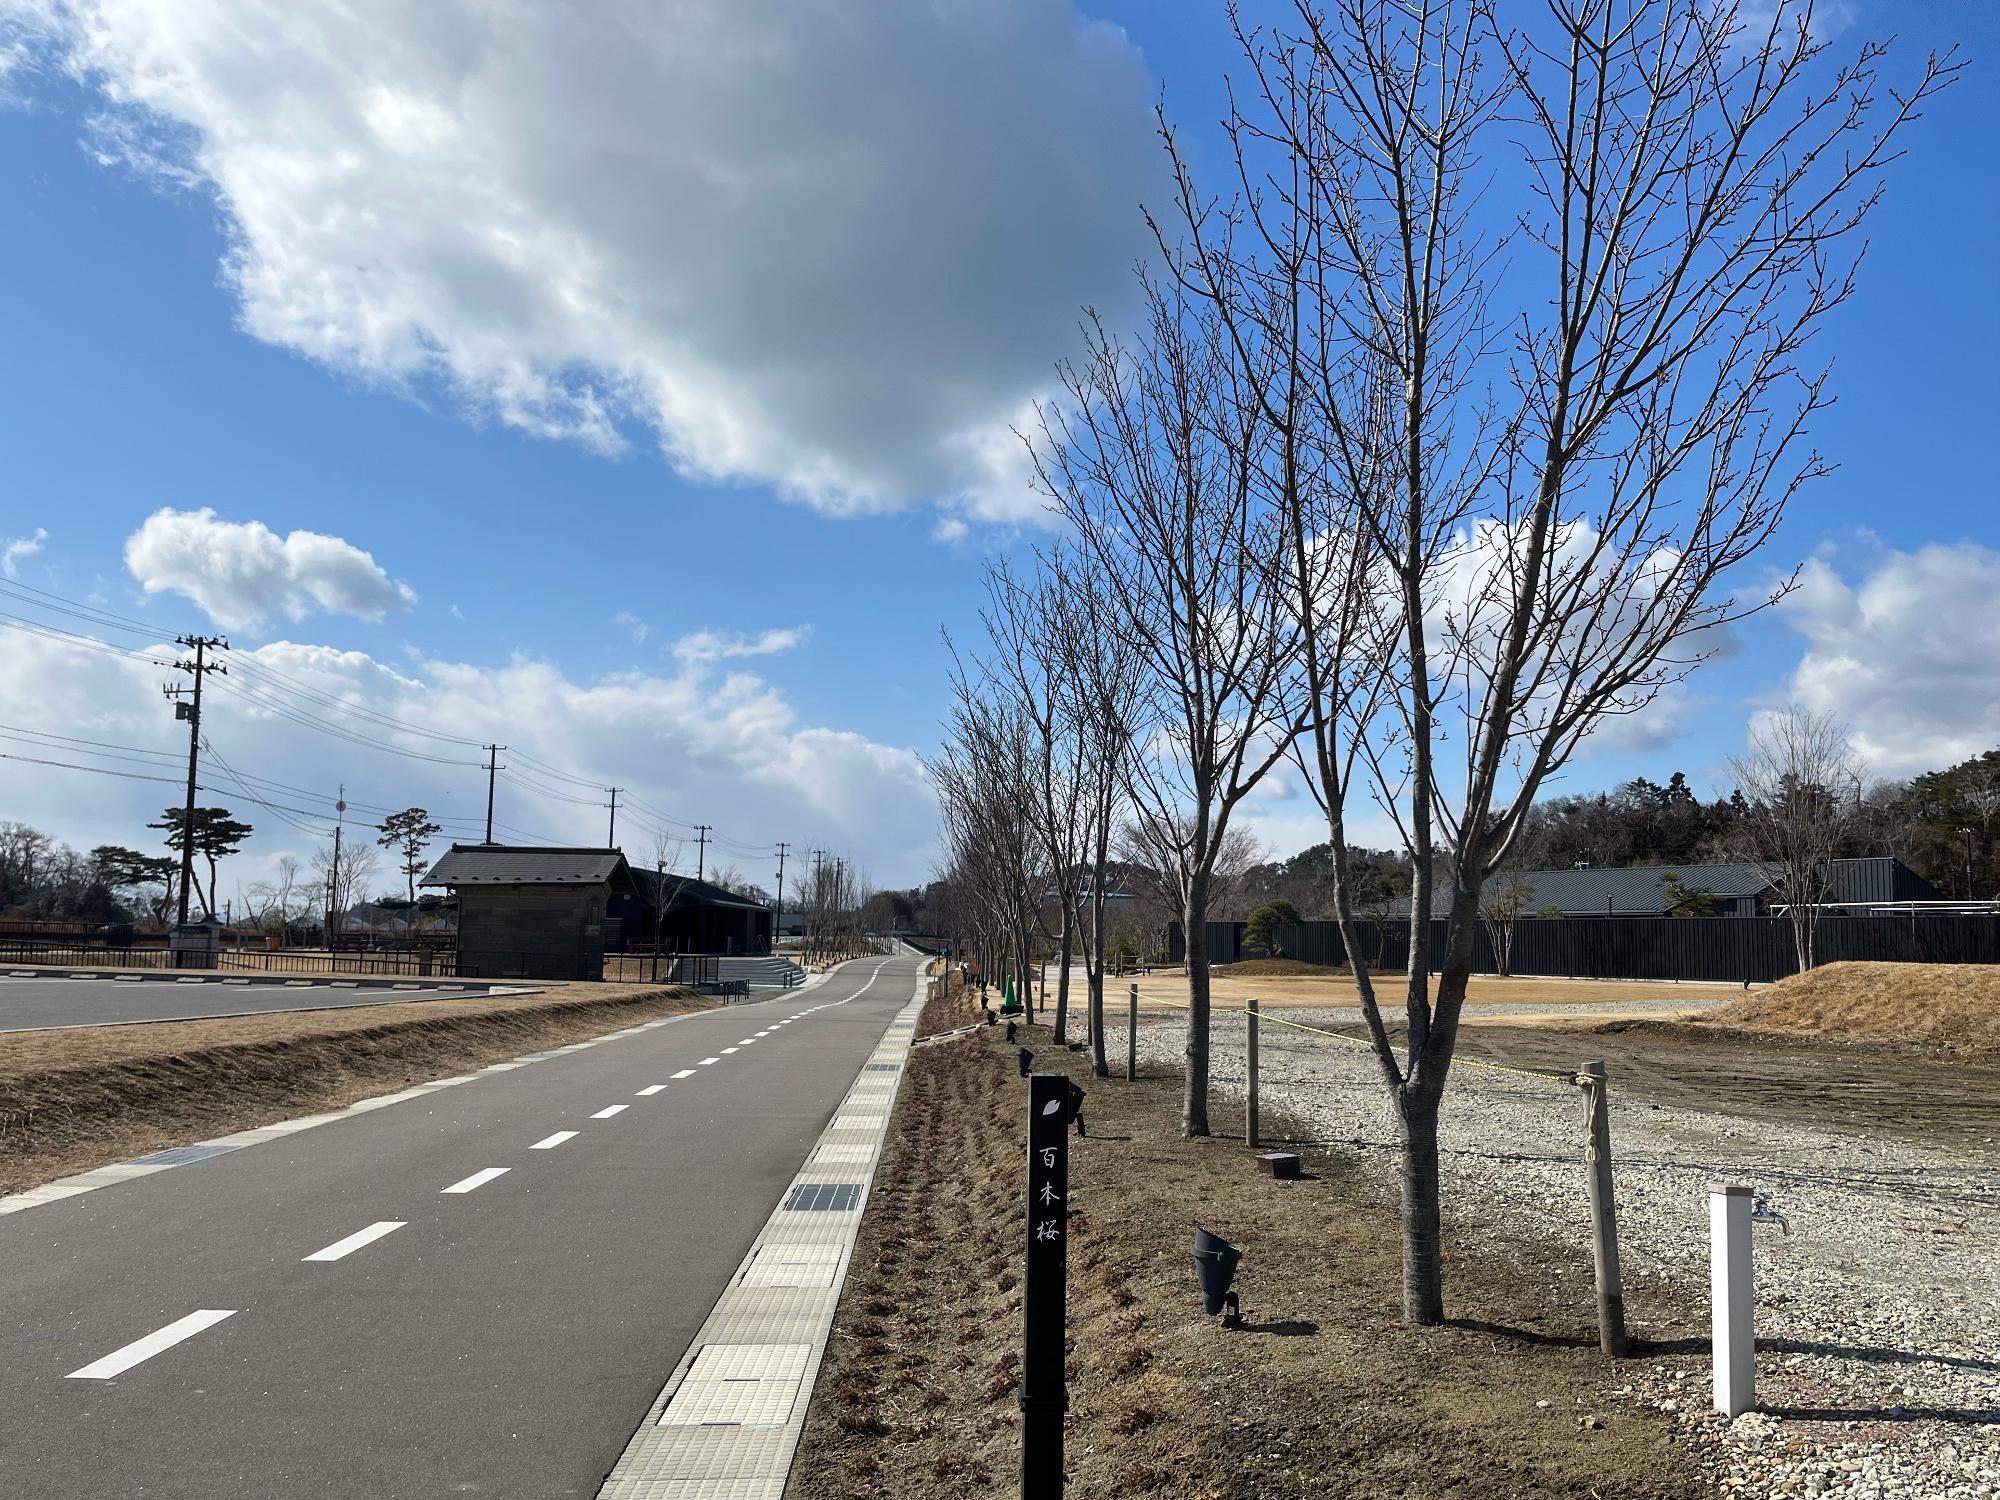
35	760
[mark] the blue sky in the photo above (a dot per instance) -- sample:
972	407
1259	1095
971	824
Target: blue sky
148	370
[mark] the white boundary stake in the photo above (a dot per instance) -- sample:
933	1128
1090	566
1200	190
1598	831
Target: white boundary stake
1731	1284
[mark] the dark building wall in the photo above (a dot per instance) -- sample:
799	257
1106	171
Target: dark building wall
695	927
531	931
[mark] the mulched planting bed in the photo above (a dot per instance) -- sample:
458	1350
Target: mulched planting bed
1324	1393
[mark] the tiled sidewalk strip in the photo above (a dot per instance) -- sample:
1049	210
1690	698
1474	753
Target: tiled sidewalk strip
729	1419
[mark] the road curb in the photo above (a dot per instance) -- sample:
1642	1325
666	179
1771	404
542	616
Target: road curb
729	1419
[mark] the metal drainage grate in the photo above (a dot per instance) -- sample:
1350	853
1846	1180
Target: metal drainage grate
823	1197
881	1067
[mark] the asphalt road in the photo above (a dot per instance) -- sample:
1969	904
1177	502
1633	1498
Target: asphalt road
504	1339
32	1004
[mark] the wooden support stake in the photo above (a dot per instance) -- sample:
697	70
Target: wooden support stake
1603	1210
1132	1035
1250	1108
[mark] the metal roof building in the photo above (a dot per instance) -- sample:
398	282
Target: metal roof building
1741	890
531	913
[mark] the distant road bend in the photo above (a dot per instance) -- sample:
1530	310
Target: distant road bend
478	1291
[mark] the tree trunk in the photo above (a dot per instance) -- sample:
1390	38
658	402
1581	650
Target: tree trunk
1423	1241
1064	944
1094	977
1194	1098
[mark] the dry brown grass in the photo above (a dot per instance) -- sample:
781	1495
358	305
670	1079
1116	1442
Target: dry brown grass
78	1098
1327	988
1950	1007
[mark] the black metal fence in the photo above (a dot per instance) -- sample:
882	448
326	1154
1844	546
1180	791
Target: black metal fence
1752	950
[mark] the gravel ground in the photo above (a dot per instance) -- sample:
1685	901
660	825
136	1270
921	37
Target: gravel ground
1878	1313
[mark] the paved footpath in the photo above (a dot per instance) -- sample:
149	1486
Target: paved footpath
477	1291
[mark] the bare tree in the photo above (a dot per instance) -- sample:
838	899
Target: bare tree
1554	553
1099	669
1797	776
1155	455
1029	662
1501	909
984	782
342	879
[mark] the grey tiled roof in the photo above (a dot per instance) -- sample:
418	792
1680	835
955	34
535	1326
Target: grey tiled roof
508	864
1635	893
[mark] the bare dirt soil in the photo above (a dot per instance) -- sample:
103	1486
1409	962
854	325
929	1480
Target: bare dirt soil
1865	1088
1949	1007
1323	1393
78	1098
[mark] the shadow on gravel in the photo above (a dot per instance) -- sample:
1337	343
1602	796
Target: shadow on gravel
1865	1354
1957	1416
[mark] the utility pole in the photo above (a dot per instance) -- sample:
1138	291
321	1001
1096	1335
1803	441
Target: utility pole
492	766
701	831
200	667
611	833
778	921
333	875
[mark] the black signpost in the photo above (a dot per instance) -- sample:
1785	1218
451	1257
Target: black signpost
1044	1289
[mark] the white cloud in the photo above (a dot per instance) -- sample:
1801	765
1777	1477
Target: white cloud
721	645
631	624
242	572
19	547
835	247
697	743
1908	657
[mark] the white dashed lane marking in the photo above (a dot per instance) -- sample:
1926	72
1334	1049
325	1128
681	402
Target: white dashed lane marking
706	1061
477	1179
550	1142
357	1239
650	1090
615	1109
685	1073
727	1050
118	1361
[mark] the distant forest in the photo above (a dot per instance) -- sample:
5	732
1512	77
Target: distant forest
1942	824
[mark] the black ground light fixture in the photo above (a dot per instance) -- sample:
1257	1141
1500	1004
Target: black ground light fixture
1074	1106
1010	1031
1026	1059
1215	1264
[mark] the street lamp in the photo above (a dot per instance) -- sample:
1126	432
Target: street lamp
1965	833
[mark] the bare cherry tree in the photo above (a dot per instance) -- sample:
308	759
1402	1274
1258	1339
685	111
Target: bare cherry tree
1030	663
1155	454
1554	514
1100	674
1798	776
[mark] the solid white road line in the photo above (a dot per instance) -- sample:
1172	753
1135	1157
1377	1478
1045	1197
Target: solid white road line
616	1109
357	1239
550	1142
477	1179
650	1090
706	1061
685	1073
118	1361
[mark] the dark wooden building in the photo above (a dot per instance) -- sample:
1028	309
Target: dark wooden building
685	915
531	913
